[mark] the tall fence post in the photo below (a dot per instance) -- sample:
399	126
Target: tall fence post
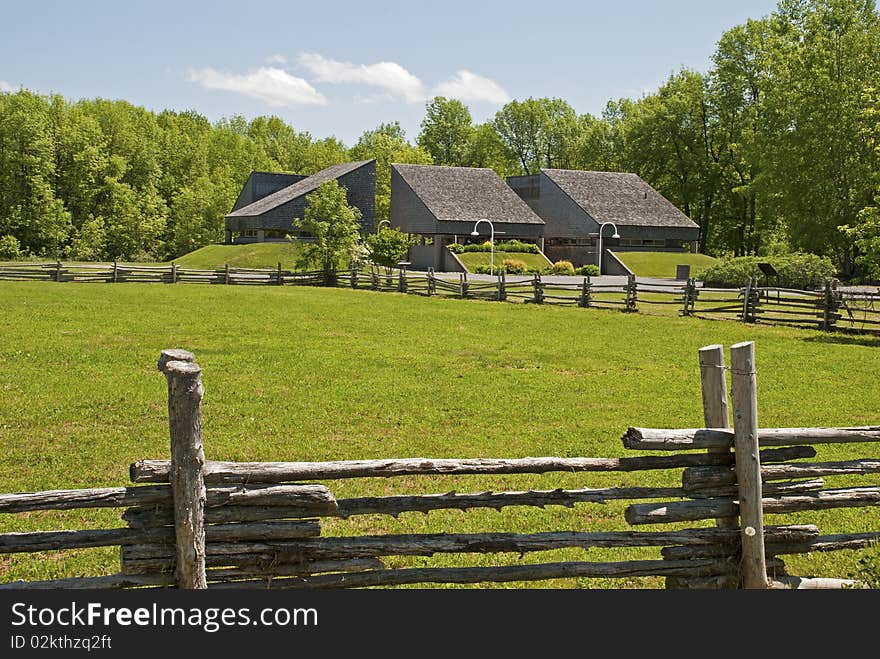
539	289
502	286
748	464
115	271
226	274
279	277
353	275
401	280
173	273
57	270
716	413
432	282
185	393
463	285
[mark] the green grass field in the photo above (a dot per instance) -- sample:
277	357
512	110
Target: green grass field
325	374
254	255
662	264
473	259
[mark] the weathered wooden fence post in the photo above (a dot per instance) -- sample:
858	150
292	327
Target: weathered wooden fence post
115	271
632	295
539	289
463	285
173	273
585	297
716	413
432	282
502	285
226	275
185	393
748	464
401	280
57	270
353	275
690	297
830	305
279	278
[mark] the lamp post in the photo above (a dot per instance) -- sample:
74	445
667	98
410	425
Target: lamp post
476	234
615	236
379	226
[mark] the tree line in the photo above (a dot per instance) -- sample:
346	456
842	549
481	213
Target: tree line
775	148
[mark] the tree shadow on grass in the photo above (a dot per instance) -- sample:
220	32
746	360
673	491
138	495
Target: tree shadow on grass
866	340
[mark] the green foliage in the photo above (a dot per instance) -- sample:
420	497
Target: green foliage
387	247
590	270
801	271
868	567
332	225
10	249
563	268
446	131
89	243
514	246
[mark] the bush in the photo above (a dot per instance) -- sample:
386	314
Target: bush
802	271
485	270
10	249
512	246
514	266
591	270
563	268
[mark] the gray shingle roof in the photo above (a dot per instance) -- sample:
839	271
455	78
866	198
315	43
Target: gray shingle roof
466	194
618	197
298	189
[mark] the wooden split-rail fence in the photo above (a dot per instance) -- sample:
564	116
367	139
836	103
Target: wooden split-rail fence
830	308
196	523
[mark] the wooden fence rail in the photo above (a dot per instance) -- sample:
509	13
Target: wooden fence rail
197	523
828	309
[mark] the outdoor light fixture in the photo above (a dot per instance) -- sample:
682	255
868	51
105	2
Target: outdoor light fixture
615	236
476	234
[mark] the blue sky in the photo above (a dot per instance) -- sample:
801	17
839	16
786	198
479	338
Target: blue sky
339	68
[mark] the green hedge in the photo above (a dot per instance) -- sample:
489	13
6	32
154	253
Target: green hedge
509	246
801	271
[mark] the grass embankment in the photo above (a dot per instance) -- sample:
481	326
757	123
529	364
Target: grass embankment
662	264
473	259
253	255
328	374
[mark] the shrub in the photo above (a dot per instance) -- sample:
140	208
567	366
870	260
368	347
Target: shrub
590	270
563	268
485	270
10	249
802	271
514	266
511	246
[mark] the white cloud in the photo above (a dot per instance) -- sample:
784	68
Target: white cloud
5	86
389	76
272	85
467	86
276	59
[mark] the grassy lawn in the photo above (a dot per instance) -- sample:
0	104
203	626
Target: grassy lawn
662	264
473	259
327	374
254	255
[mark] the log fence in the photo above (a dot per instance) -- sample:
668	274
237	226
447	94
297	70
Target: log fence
829	308
195	523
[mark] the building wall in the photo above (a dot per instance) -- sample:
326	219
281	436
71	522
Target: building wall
408	213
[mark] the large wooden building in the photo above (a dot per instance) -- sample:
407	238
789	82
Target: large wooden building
576	204
268	203
442	205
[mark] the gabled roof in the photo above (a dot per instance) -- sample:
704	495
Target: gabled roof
466	194
618	197
298	189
